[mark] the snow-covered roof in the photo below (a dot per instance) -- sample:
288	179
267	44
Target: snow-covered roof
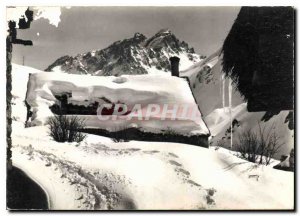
127	89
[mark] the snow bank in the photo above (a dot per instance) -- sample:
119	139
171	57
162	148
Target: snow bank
101	174
127	89
20	75
218	123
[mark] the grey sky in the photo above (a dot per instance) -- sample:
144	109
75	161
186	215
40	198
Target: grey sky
86	28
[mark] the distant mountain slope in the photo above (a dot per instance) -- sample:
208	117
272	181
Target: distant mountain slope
136	55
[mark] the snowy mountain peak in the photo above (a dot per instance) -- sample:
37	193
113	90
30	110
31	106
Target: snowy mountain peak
135	55
164	38
165	31
138	36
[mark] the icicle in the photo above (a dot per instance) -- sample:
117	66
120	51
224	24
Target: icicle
221	88
223	91
230	106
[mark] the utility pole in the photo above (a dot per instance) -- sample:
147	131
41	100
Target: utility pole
23	60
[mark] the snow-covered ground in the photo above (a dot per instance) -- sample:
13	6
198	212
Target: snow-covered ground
99	173
218	123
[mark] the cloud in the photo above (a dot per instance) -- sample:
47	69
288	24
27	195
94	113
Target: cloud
52	14
15	13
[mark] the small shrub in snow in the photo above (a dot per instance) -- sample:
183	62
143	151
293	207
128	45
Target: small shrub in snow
248	146
259	147
66	128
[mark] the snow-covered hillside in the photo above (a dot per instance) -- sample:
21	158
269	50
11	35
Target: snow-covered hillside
219	124
136	55
216	96
99	173
210	87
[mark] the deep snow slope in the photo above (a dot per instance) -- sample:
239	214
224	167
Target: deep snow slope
101	174
218	122
136	55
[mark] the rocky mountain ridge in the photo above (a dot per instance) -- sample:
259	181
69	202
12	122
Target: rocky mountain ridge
136	55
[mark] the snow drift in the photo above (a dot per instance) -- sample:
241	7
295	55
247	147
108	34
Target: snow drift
101	174
219	124
43	89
